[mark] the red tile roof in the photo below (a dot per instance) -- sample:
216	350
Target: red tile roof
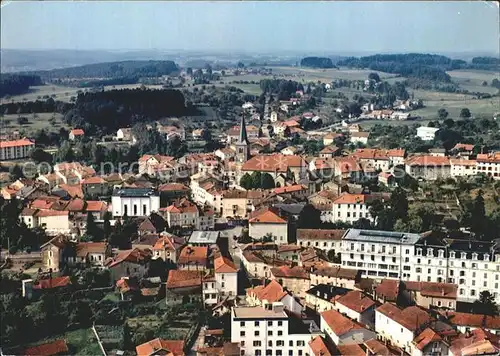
77	132
318	347
16	143
427	160
153	347
74	191
463	146
96	206
289	272
273	292
183	278
274	162
348	198
267	216
136	256
388	289
412	318
425	338
477	342
378	348
493	157
476	320
351	350
224	265
193	254
84	248
339	324
433	289
94	180
57	347
290	189
76	205
356	300
172	187
55	282
320	234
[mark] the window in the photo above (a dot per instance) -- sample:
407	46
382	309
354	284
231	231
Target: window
144	210
407	251
269	323
393	249
269	333
280	323
280	333
290	343
222	284
256	343
242	324
279	352
269	352
258	352
256	333
135	209
257	323
300	343
270	343
472	292
242	343
242	333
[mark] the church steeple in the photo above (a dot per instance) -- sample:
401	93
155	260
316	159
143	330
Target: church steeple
242	145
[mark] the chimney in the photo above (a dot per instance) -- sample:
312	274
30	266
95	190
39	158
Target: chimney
27	288
442	292
278	307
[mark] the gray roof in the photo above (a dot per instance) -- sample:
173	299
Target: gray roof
258	312
390	237
204	237
135	192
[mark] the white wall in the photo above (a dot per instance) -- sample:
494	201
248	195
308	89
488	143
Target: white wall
279	231
151	203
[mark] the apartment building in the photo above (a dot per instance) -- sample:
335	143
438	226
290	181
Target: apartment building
135	202
473	265
462	167
489	164
381	254
323	239
428	167
223	283
352	207
270	331
15	149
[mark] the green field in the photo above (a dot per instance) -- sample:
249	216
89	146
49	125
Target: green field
472	80
8	123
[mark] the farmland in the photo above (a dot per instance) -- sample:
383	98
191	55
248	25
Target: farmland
35	122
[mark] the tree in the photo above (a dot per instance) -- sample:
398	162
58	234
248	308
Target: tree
107	225
15	172
495	83
91	229
465	113
241	65
442	113
374	76
333	257
38	155
256	178
126	341
309	218
267	181
246	181
399	203
22	120
486	304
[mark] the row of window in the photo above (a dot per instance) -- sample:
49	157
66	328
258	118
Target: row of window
257	323
257	333
277	353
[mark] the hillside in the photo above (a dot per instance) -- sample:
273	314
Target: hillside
14	84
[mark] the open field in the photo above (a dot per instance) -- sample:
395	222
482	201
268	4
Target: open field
8	123
327	75
472	80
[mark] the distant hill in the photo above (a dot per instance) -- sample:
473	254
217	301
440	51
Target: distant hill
111	70
317	62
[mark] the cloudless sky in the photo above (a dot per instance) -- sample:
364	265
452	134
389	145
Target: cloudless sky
330	27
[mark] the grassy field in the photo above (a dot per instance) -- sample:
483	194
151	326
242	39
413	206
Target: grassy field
8	123
472	80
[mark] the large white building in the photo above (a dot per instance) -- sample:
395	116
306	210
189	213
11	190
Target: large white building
379	254
15	149
270	331
489	164
267	222
135	202
350	208
426	133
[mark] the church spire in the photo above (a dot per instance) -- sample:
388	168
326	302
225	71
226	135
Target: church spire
243	131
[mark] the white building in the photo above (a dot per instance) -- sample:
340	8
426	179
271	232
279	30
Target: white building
15	149
462	167
352	207
269	331
224	282
489	164
323	239
381	254
400	326
342	330
135	202
271	293
426	133
360	137
268	222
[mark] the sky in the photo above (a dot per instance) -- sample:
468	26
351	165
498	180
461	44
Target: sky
261	26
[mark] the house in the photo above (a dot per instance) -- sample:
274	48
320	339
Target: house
323	201
324	239
171	131
168	247
125	134
343	331
95	187
335	276
76	133
463	167
433	340
465	322
437	152
52	283
386	178
181	213
204	238
463	150
272	292
135	202
359	137
329	138
428	167
161	347
270	328
321	297
224	282
183	287
239	203
489	164
294	191
130	263
267	222
400	326
426	133
53	221
193	258
294	167
290	150
352	207
16	149
357	306
295	279
476	342
381	159
432	294
91	253
329	152
53	255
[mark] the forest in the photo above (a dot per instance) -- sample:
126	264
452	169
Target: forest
110	110
15	84
123	69
283	88
316	62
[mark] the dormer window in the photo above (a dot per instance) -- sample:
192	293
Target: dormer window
474	256
419	252
452	254
463	255
429	252
441	253
486	257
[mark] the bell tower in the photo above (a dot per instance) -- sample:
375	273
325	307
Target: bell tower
242	146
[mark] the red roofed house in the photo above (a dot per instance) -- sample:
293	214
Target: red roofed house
342	330
161	347
183	286
57	347
76	133
317	347
352	207
466	321
95	186
167	247
273	292
193	258
489	164
476	342
224	283
131	263
15	149
295	279
56	282
53	221
294	167
400	326
428	167
357	306
267	221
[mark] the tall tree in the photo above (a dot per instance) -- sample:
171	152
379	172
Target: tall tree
486	304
